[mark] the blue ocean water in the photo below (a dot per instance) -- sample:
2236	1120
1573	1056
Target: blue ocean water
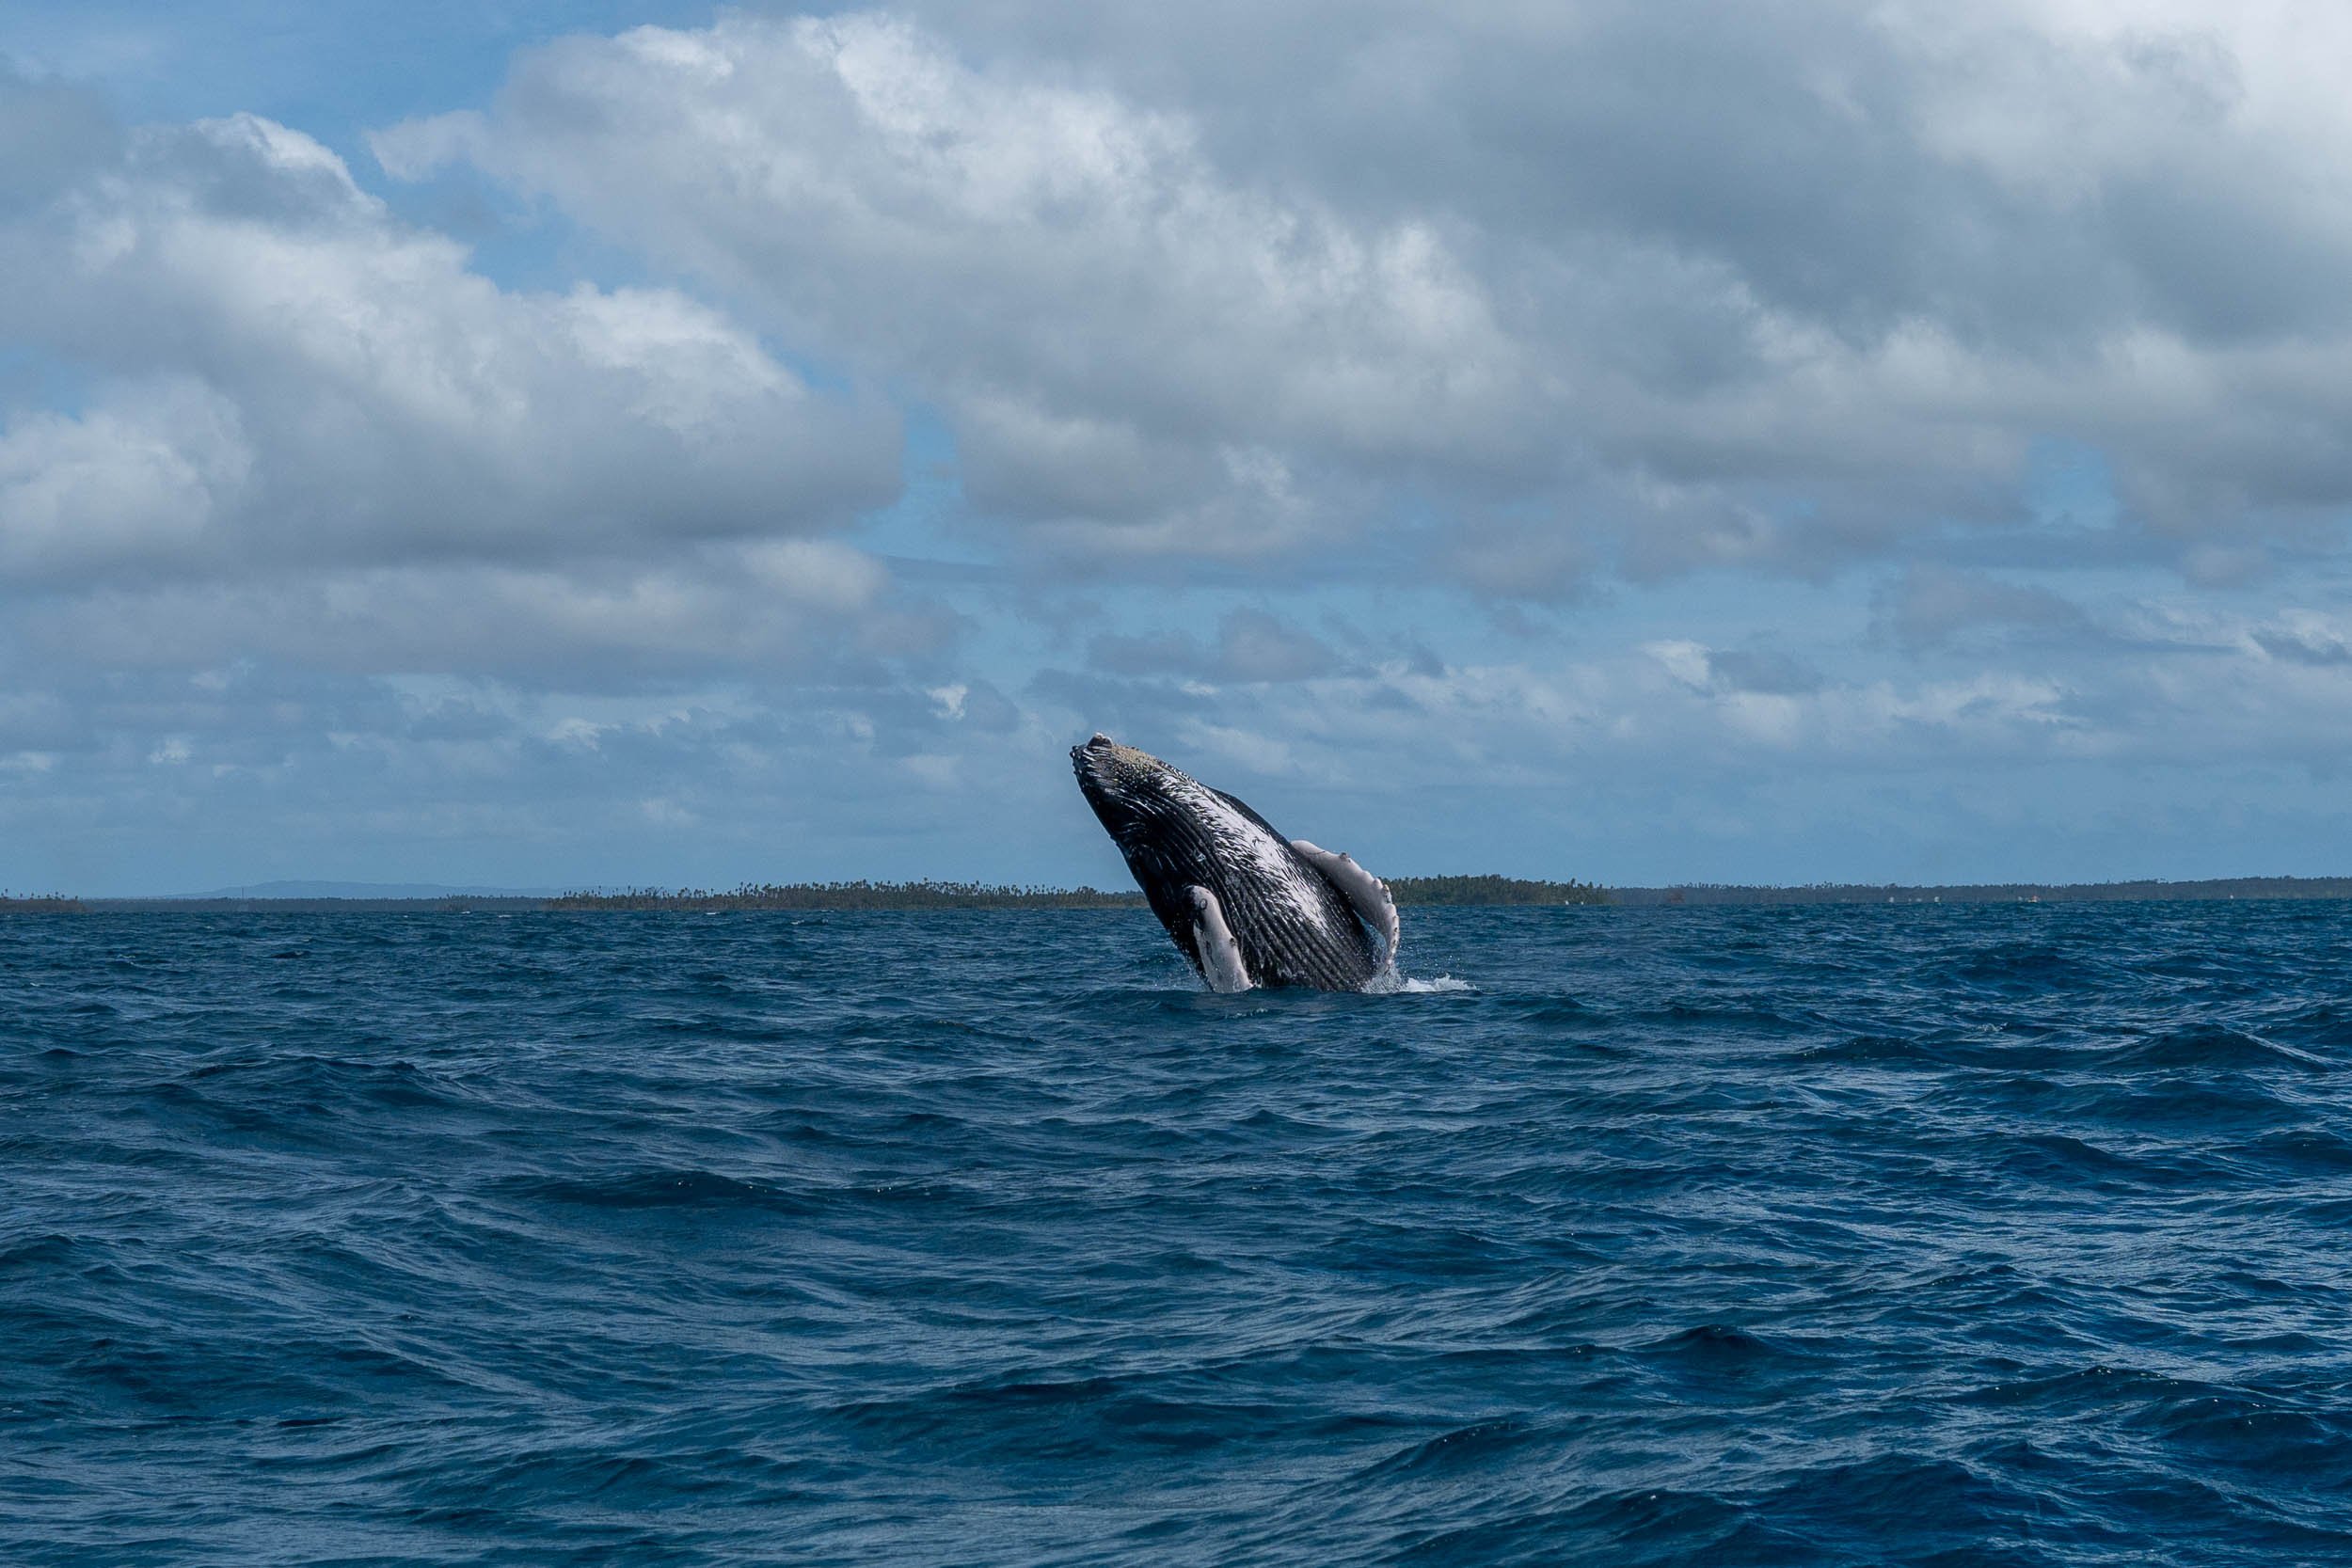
1993	1234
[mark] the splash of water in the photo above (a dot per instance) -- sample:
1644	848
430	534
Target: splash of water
1390	983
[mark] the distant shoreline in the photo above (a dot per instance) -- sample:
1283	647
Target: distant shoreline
2146	891
1411	892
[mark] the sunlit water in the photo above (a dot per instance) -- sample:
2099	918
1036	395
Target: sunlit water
2000	1234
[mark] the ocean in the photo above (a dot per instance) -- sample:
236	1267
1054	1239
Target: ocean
2003	1234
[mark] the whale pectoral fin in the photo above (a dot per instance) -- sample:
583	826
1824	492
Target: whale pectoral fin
1365	892
1220	953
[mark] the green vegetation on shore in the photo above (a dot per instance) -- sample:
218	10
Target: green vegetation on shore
985	895
1424	891
39	903
1492	889
852	896
2142	892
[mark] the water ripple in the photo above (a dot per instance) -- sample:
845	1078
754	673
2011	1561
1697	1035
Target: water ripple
1963	1235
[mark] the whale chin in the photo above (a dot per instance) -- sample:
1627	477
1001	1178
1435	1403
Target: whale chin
1245	906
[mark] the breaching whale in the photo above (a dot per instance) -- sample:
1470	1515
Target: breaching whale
1247	907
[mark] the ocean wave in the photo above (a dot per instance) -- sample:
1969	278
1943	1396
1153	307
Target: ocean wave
1980	1235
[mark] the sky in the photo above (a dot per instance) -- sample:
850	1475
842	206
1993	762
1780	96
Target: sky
593	444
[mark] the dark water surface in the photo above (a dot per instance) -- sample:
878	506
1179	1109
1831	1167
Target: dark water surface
2005	1234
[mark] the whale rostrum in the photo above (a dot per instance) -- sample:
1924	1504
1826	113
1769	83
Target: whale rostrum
1247	907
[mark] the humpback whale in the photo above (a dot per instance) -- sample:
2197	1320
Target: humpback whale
1247	907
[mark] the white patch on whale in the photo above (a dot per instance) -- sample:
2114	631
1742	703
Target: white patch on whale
1220	953
1367	893
1237	838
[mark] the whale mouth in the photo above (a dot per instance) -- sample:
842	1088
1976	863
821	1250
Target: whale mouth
1107	772
1100	748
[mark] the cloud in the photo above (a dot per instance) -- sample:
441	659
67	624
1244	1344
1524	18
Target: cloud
1645	375
1603	288
1930	607
53	134
1130	346
1680	721
776	608
1762	670
2303	638
1252	646
283	376
140	479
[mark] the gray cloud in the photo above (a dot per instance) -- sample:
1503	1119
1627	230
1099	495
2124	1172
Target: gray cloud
1133	347
2307	638
1774	289
1251	647
1932	607
312	532
53	134
1764	671
1174	652
780	607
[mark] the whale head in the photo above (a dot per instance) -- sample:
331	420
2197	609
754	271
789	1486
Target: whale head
1133	794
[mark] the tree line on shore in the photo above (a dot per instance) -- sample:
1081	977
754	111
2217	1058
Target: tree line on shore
993	896
851	896
37	903
1487	890
2144	891
1492	889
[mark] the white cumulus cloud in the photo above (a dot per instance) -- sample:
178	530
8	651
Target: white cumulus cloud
286	376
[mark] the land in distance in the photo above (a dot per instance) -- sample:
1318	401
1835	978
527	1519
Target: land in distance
1409	891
